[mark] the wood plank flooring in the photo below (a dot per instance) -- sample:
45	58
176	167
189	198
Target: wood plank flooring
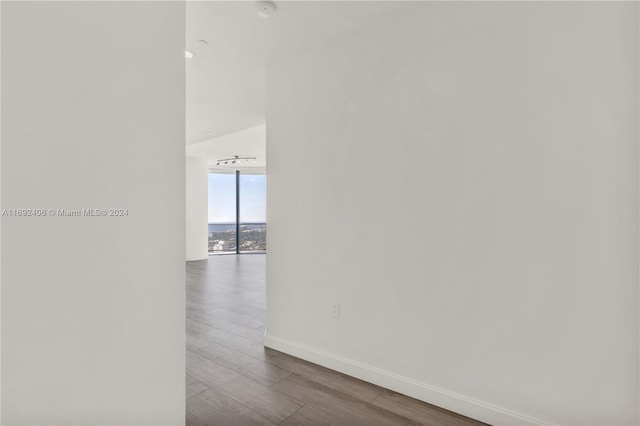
232	379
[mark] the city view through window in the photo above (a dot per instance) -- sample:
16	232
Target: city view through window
222	213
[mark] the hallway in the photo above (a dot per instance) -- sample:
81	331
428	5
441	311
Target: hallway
233	379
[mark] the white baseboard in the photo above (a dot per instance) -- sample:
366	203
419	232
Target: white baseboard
452	401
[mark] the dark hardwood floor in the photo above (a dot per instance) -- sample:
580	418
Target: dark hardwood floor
233	380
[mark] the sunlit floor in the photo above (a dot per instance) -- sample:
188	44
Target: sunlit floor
233	379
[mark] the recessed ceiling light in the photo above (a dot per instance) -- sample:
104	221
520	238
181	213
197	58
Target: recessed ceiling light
189	54
265	8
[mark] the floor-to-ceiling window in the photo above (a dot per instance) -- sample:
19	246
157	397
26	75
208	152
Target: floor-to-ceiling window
253	213
222	213
237	213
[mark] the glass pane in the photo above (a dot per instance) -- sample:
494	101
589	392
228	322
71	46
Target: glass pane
253	213
222	213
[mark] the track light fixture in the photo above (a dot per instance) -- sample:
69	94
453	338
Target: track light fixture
236	160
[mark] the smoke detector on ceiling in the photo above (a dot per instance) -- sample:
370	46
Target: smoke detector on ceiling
265	8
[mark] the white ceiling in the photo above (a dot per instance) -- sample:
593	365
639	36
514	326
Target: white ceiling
245	143
226	80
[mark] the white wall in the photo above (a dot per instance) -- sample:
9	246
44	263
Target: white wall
463	179
93	307
197	199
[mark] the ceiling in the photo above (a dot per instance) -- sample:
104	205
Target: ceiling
245	143
226	79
